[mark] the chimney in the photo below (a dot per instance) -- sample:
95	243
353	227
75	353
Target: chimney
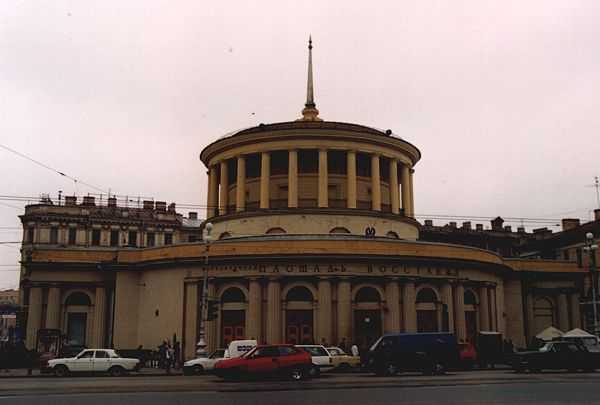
89	201
112	202
148	205
70	200
193	215
541	233
161	206
497	224
597	214
466	225
452	224
171	207
428	222
507	228
521	229
479	227
569	223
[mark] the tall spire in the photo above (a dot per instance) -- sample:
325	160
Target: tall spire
310	112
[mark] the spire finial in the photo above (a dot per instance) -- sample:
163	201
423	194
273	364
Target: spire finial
310	112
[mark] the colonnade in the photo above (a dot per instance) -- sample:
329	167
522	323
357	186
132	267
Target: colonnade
218	183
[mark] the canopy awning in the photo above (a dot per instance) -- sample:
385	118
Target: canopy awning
549	333
580	333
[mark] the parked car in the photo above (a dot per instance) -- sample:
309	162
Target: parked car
93	361
267	360
343	361
490	349
557	355
321	359
430	353
203	364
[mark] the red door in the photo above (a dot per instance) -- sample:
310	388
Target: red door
299	328
233	326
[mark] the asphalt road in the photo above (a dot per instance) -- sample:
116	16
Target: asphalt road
536	393
491	386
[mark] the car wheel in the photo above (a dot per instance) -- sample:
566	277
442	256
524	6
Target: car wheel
116	371
61	371
296	374
198	370
439	368
391	369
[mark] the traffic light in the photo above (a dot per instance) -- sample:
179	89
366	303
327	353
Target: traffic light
212	311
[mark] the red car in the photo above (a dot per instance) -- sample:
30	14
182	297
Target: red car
267	360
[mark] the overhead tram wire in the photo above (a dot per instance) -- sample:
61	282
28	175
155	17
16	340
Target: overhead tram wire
37	162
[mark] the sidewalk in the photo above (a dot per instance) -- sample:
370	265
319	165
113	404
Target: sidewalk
22	373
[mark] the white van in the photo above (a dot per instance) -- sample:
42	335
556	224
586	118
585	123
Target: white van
238	347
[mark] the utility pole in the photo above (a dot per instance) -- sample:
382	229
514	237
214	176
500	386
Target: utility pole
591	248
203	316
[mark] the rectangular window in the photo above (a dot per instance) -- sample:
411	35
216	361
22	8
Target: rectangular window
95	237
72	236
114	238
30	232
150	239
132	238
168	238
54	235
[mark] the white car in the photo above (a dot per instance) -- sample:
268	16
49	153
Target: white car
94	361
321	359
202	364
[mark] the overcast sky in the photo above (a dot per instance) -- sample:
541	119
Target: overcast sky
502	97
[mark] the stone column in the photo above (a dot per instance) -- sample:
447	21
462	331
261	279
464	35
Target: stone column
563	312
493	310
351	177
323	180
240	196
409	307
411	192
53	308
293	179
191	320
447	300
344	310
324	312
405	190
211	326
224	193
394	191
375	183
392	301
575	311
265	173
213	195
99	317
484	309
254	310
530	317
273	312
459	313
34	316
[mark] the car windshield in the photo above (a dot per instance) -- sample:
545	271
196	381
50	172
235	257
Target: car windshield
375	344
545	348
217	354
316	351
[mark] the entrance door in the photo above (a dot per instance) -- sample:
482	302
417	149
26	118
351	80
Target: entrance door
427	321
233	326
76	323
367	327
299	327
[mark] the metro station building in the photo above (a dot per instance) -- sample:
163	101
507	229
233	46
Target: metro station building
314	239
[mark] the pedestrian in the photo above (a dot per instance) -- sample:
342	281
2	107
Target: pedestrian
168	358
162	355
354	350
343	345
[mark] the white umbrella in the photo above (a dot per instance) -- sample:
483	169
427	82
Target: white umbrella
549	334
578	333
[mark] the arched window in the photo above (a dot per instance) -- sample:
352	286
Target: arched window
339	229
275	230
233	294
299	294
78	298
368	294
392	234
224	235
426	295
470	298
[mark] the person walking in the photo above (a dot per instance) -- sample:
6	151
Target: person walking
354	350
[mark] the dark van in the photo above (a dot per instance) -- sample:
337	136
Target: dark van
430	353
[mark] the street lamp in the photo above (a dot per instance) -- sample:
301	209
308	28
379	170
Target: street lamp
201	345
591	248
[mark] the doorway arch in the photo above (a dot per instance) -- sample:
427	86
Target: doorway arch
428	308
368	308
233	301
299	313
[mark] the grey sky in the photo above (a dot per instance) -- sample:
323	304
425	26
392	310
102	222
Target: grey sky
501	97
